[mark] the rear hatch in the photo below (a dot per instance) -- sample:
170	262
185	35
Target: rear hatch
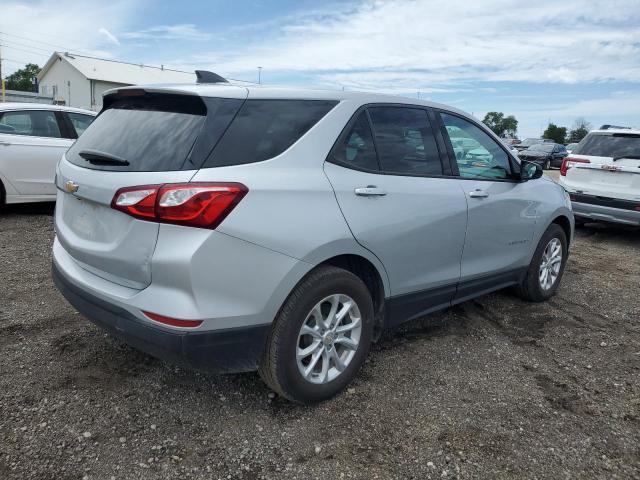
141	137
605	164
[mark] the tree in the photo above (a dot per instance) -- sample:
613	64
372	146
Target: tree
500	124
555	133
580	129
494	121
23	79
510	125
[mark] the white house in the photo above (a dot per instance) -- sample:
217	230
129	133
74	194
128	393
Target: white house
79	81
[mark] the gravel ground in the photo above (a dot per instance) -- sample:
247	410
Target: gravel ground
494	388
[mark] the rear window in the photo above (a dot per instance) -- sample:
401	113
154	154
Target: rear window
609	145
152	132
263	129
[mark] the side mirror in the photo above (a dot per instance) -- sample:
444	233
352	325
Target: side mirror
530	171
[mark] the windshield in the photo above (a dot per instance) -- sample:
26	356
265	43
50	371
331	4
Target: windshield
609	145
542	147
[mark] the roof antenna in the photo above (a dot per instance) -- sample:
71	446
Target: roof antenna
204	76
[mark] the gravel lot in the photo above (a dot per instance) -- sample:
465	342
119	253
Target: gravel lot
495	388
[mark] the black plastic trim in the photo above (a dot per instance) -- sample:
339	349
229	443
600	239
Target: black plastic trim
221	351
606	202
403	308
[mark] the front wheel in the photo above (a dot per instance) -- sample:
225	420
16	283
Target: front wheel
547	266
547	165
320	338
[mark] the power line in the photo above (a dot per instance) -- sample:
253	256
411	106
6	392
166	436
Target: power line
44	43
13	43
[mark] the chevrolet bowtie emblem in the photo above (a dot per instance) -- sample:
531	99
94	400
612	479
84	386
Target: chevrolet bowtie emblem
71	187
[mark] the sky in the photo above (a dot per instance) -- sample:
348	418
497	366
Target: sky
540	60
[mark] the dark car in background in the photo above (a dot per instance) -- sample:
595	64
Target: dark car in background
528	142
547	155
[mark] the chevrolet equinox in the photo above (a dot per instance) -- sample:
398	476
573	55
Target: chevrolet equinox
232	228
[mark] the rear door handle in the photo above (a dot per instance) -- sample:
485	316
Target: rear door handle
478	194
370	191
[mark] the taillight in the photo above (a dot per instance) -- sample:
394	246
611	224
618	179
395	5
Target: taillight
203	205
569	162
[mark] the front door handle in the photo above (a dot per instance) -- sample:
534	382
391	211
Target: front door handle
478	194
370	191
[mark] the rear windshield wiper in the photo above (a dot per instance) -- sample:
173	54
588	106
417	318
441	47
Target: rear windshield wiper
632	157
97	157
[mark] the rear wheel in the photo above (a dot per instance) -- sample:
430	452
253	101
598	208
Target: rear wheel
546	165
547	266
320	338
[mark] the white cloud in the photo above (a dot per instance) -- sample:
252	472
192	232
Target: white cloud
111	38
33	31
435	43
173	32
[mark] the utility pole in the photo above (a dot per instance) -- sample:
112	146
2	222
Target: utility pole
259	75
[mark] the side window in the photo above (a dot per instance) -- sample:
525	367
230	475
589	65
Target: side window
477	154
357	149
34	123
80	122
405	141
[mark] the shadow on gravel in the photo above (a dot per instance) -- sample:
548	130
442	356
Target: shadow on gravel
610	232
38	208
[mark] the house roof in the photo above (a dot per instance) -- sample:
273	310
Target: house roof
118	72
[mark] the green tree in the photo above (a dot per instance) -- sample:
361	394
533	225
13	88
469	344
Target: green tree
494	120
555	133
22	79
500	124
510	125
580	129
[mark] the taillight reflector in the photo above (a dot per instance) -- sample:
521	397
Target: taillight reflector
203	205
174	322
569	162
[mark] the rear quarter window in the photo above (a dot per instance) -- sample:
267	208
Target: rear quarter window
263	129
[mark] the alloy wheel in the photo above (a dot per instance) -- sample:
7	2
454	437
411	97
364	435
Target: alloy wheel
328	339
550	264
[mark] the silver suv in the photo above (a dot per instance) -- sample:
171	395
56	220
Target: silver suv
233	228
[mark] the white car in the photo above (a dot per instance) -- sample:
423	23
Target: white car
33	138
602	176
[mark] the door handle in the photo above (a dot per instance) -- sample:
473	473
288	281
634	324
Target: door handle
478	194
370	191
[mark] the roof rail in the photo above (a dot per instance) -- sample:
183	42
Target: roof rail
607	127
204	76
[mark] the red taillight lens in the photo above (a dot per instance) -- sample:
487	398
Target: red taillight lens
174	322
569	162
139	202
203	205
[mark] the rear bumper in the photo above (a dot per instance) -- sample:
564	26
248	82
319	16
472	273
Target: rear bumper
606	210
221	351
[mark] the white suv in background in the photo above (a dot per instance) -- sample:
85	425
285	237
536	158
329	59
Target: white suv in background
33	138
602	176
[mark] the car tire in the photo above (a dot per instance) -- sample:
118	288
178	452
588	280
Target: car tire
3	197
535	287
546	165
283	367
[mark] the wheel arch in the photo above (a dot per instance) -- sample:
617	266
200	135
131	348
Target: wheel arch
565	224
371	277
